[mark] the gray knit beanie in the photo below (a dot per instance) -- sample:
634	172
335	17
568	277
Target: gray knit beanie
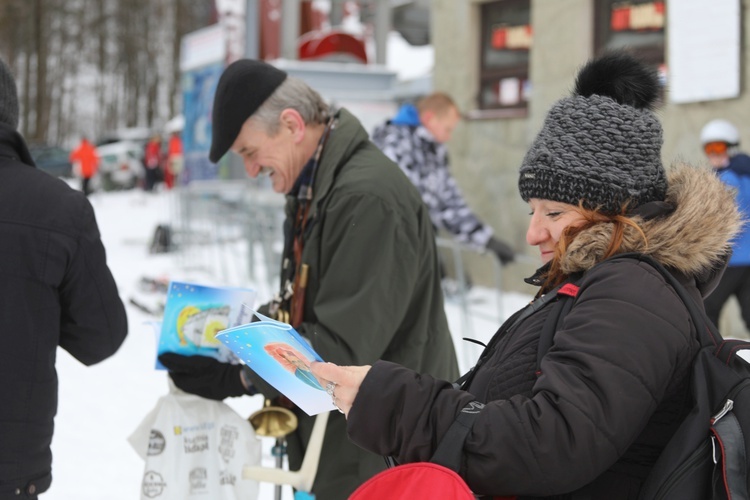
602	145
8	97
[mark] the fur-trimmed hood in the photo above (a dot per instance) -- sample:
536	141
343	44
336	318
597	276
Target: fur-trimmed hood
694	239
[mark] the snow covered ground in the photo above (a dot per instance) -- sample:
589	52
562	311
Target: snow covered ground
100	406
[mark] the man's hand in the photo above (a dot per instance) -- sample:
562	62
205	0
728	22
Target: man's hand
204	376
503	251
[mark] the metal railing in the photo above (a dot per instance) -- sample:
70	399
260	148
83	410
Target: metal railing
460	296
232	231
226	229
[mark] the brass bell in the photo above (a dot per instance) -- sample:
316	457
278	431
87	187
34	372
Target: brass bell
273	421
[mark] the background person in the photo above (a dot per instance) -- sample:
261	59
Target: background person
175	160
55	290
87	163
614	386
152	161
721	143
360	275
415	139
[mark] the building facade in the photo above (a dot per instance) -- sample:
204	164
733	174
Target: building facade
507	61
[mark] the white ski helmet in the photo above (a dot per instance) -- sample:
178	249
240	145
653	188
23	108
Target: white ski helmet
720	131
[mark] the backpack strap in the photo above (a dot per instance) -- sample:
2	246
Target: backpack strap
560	309
450	450
731	456
708	335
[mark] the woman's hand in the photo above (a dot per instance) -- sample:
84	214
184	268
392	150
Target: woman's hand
341	382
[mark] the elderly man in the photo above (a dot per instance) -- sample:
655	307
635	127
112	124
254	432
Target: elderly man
360	275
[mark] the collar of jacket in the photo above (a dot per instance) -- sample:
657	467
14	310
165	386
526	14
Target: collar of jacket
13	146
344	140
537	279
740	163
694	239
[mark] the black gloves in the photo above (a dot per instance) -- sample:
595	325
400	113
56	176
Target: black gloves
204	376
503	251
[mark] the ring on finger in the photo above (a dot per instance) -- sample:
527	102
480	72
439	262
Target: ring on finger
330	387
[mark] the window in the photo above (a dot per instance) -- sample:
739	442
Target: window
506	41
635	25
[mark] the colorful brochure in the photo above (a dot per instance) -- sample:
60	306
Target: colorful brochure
194	314
277	353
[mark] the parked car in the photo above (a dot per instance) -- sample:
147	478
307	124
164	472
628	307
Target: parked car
52	159
121	165
138	135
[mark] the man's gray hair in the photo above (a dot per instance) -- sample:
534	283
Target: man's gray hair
295	94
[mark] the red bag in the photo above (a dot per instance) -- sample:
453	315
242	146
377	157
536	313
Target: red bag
416	480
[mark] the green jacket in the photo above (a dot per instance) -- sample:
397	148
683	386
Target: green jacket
373	287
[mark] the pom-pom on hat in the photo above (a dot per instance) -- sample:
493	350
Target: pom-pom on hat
603	144
242	89
8	97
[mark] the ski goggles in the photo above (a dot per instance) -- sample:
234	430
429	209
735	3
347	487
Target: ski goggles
715	148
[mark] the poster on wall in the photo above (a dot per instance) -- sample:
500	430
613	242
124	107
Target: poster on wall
198	89
704	50
203	57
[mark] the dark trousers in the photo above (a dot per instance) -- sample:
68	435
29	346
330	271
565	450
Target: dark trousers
152	177
736	281
86	185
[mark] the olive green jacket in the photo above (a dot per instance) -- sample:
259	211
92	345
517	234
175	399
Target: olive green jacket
373	290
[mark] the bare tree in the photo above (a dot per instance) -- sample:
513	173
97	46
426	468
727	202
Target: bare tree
41	108
91	65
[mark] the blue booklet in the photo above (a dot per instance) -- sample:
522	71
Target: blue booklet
277	353
194	314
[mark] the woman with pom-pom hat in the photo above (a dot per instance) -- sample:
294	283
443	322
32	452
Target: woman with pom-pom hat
592	415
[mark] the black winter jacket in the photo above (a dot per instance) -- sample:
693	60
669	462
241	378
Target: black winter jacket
55	289
612	389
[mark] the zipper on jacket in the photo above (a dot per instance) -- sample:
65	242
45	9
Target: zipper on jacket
728	405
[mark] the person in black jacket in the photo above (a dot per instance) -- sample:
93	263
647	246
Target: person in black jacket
55	290
612	389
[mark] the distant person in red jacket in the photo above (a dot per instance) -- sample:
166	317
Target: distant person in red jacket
174	160
86	160
152	160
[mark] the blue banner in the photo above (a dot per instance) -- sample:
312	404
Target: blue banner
198	89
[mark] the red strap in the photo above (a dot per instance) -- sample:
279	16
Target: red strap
569	289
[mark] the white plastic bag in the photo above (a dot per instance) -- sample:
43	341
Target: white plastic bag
195	448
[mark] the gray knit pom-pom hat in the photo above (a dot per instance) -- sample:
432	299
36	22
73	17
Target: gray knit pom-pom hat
8	97
602	145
